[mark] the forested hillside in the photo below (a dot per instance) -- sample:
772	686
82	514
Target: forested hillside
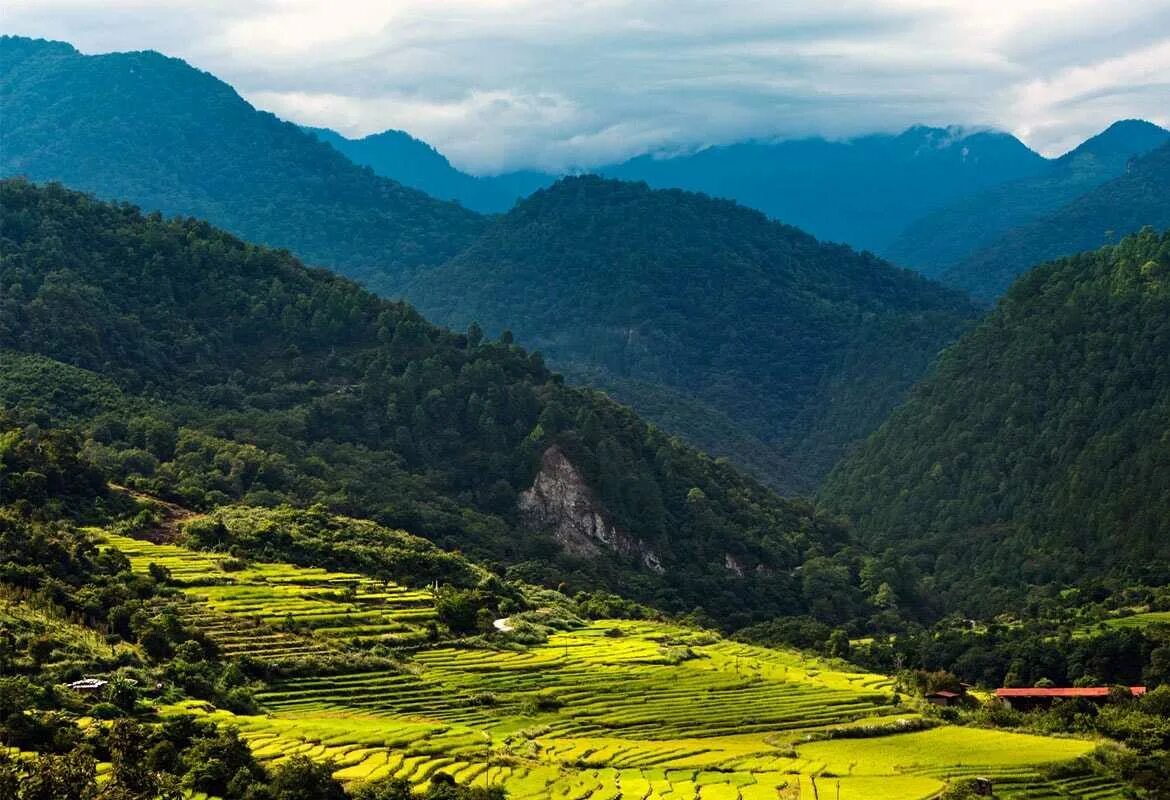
1101	216
210	371
157	132
943	238
702	313
1034	456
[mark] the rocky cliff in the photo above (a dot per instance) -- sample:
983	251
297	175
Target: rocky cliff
561	501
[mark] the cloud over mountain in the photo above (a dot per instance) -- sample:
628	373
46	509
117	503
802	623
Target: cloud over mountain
498	84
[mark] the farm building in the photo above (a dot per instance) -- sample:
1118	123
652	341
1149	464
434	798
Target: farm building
1029	698
944	698
88	685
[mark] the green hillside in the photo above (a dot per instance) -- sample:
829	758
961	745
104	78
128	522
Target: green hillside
157	132
209	371
1033	457
700	312
941	239
1101	216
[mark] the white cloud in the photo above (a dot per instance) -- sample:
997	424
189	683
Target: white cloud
498	84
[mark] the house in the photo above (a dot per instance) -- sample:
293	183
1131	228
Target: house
982	787
944	698
1029	698
88	685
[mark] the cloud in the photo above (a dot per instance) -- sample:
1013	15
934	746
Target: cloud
501	84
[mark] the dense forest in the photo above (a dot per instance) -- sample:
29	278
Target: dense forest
1101	216
154	131
1033	457
701	312
210	371
945	237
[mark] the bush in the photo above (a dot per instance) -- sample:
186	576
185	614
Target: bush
105	710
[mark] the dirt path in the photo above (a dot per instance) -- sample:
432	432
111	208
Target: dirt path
173	516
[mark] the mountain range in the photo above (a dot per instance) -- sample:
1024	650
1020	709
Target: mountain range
939	241
1134	199
945	202
134	126
768	347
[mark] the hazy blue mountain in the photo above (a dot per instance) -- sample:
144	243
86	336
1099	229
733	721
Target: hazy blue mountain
157	132
942	239
1101	216
410	161
862	192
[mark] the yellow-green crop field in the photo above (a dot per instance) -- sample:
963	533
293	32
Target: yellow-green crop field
616	710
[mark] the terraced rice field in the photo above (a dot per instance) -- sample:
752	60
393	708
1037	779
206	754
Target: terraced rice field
617	710
279	611
1140	620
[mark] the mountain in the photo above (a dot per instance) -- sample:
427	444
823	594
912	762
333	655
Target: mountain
210	371
1100	216
398	155
861	191
943	238
153	130
1034	455
717	323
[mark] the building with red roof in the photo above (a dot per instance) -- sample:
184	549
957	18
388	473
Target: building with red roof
1027	698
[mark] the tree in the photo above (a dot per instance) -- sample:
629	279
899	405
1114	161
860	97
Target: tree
388	788
301	778
838	645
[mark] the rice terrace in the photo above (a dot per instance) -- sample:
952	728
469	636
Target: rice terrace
609	709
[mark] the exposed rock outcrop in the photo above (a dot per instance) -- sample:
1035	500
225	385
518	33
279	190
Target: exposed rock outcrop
561	501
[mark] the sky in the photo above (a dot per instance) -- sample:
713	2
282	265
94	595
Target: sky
560	84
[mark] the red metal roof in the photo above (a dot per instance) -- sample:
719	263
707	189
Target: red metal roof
943	694
1066	691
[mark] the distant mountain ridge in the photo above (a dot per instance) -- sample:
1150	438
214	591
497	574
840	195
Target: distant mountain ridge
703	313
860	191
939	241
414	163
1137	198
155	131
